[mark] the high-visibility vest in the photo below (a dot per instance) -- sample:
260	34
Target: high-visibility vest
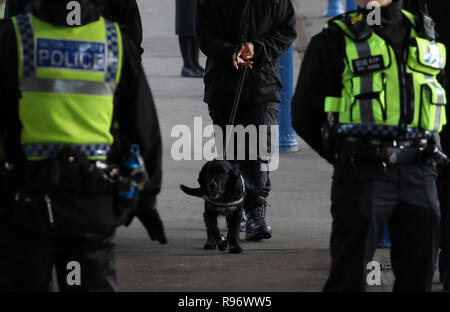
67	78
371	98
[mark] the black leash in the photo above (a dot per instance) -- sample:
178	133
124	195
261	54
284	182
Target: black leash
237	98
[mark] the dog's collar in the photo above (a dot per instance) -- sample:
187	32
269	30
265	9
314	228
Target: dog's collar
222	204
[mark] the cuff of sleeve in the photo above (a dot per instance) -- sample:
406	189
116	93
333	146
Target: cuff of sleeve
260	54
229	49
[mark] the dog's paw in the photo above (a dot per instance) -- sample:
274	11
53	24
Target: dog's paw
210	245
222	243
235	249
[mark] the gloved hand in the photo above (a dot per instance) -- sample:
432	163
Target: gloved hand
153	224
148	215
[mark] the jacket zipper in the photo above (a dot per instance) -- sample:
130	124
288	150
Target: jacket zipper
404	107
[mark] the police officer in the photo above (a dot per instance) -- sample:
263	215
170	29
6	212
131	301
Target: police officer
124	12
63	89
370	101
253	34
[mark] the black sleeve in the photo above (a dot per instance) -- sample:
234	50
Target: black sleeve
208	34
5	28
320	76
127	13
277	42
9	85
137	117
16	7
412	6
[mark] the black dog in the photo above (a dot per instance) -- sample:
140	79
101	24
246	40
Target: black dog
222	187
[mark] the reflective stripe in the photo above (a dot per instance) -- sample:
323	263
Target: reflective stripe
379	131
113	52
441	101
30	83
50	150
27	43
365	105
34	84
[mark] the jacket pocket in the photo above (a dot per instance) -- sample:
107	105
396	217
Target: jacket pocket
427	57
432	106
267	77
368	101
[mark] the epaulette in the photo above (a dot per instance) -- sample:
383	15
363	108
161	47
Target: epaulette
353	24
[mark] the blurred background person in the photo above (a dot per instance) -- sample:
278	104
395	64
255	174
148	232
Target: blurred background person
189	47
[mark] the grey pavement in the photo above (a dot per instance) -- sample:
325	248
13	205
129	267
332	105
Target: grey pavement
295	259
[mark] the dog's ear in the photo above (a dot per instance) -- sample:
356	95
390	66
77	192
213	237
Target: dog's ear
202	178
197	192
235	187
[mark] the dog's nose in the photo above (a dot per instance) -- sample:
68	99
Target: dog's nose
213	185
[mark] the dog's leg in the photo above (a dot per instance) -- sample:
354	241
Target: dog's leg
233	223
212	229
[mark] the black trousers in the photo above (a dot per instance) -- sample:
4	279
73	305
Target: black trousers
444	198
366	198
4	245
37	246
257	181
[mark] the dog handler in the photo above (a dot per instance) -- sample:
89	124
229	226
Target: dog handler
370	100
253	33
63	89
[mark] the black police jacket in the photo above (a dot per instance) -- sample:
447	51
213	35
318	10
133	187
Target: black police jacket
134	106
321	73
124	12
223	25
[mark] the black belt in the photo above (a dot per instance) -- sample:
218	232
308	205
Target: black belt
389	152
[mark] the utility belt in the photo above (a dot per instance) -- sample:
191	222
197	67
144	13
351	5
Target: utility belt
70	170
389	152
79	194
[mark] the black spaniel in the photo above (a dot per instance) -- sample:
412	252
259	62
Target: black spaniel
222	187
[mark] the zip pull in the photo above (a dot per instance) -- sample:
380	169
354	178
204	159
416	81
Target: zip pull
384	107
50	210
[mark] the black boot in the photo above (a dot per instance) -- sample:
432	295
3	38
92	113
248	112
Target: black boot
243	225
191	72
257	229
444	276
